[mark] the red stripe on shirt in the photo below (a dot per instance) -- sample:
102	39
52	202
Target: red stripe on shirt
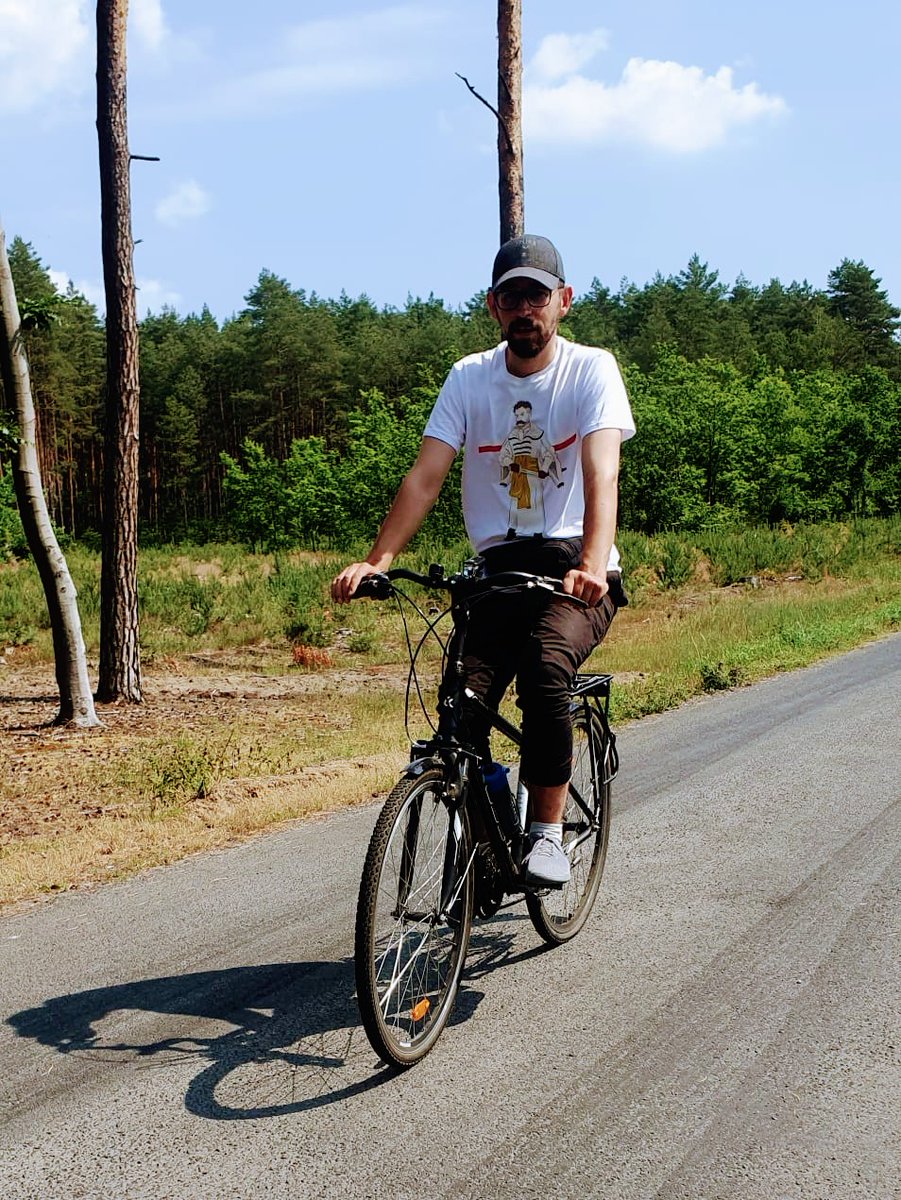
558	446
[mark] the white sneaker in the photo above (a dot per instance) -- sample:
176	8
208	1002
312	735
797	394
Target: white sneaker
546	863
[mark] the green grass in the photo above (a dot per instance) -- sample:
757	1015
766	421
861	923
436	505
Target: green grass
170	773
737	638
843	582
709	611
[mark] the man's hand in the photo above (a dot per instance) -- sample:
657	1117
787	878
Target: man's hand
345	584
585	585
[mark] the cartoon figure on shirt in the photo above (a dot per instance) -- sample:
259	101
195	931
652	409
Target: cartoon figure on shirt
527	458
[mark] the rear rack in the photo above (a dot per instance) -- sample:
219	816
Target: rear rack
592	685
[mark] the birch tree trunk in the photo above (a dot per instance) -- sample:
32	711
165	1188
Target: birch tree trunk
120	664
76	704
509	126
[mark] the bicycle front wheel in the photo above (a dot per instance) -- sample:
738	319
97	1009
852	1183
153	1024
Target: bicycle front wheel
413	919
559	914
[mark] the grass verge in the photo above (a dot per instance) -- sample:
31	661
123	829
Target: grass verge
241	732
708	641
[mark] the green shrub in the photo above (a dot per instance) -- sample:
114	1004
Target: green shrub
188	603
735	554
180	773
361	643
300	592
12	535
676	560
716	677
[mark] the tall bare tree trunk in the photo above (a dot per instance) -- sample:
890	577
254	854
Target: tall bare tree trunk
509	125
76	704
120	664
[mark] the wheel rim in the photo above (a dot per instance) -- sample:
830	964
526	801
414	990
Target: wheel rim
417	947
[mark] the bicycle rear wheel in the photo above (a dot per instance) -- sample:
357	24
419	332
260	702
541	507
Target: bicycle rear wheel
414	915
559	914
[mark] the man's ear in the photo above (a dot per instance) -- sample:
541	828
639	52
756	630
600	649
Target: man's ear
492	307
566	300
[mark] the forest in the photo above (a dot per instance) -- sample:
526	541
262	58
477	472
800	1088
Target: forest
292	422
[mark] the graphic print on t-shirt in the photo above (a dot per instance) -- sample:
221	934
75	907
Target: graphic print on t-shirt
528	463
579	393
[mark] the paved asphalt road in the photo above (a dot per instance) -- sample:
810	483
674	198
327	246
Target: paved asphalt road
725	1027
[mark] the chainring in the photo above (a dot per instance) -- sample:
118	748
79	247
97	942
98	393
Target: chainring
489	886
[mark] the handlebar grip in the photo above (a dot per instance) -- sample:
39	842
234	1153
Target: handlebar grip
376	586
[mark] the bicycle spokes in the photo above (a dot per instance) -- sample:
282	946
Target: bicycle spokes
414	924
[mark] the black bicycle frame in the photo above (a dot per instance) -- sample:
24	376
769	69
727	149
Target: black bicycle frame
460	761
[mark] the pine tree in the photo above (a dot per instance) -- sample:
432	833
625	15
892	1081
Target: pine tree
856	297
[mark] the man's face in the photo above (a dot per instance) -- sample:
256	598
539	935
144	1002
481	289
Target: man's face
526	323
522	415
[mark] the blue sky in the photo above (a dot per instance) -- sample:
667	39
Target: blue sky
333	144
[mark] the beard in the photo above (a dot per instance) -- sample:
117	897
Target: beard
527	340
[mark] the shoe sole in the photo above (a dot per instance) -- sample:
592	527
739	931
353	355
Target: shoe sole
536	882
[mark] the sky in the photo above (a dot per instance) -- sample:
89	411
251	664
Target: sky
331	142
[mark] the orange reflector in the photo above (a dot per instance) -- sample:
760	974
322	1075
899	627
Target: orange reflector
419	1010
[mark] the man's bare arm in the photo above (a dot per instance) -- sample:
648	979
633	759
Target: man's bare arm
600	474
413	502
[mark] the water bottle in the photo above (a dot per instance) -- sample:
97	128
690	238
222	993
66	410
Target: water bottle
522	801
498	788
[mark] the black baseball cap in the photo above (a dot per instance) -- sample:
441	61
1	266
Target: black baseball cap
528	257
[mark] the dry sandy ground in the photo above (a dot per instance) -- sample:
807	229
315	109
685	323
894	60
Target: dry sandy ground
45	771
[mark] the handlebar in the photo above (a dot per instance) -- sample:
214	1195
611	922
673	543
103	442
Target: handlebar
378	586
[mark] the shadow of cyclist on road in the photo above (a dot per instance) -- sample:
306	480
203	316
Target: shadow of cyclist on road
272	1039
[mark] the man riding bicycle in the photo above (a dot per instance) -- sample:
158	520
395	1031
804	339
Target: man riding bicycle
541	421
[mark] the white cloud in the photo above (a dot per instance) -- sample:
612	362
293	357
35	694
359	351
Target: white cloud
91	290
153	295
149	22
660	104
60	280
45	48
186	202
564	53
366	50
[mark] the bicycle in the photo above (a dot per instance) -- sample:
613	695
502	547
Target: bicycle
445	848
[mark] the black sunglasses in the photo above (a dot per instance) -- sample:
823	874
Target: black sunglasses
535	295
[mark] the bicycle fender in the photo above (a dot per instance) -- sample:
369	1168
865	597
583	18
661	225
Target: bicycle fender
419	766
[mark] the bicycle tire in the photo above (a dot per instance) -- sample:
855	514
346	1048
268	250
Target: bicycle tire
559	914
409	952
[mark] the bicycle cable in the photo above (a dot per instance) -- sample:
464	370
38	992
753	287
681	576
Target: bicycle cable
431	624
413	654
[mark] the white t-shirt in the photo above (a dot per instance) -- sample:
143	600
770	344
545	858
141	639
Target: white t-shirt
522	468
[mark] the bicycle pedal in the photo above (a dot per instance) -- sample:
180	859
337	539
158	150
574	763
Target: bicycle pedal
535	887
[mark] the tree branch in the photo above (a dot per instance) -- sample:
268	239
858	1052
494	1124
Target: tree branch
491	108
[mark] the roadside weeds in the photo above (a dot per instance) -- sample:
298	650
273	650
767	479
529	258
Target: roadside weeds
220	754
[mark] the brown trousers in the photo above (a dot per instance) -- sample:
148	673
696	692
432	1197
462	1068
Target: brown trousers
541	641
